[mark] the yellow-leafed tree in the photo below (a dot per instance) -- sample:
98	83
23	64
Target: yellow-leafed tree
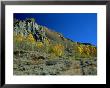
30	38
39	44
58	49
86	50
19	38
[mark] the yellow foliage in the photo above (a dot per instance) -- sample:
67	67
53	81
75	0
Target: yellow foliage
39	44
30	38
93	51
79	49
47	41
58	49
19	37
86	50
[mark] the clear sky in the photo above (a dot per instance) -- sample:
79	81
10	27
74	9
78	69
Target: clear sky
80	27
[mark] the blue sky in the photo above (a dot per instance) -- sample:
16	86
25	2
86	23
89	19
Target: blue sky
80	27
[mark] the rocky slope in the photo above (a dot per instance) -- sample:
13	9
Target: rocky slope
39	50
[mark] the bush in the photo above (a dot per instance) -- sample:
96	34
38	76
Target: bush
58	49
86	51
30	38
39	44
47	42
19	38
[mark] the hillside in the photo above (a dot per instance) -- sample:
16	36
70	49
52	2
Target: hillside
39	50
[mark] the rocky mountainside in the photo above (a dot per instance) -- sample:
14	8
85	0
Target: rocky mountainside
39	33
39	50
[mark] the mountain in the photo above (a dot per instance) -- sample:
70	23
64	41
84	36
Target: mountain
29	29
39	48
40	33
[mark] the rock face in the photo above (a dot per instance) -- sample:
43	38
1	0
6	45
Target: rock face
29	26
40	33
